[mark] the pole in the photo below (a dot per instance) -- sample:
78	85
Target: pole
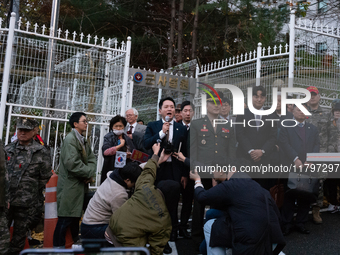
7	70
50	57
126	76
258	64
291	49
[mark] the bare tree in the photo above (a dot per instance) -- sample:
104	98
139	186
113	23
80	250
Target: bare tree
194	32
172	33
180	32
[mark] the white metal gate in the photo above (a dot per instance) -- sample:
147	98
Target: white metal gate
86	73
303	65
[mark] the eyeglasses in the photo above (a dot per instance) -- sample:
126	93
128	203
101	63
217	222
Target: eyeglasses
85	121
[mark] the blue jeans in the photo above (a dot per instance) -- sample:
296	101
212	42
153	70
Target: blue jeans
95	231
217	250
210	214
214	250
60	230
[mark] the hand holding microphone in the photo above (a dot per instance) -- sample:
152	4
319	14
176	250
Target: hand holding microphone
166	125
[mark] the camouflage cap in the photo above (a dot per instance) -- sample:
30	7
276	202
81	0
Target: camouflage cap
27	124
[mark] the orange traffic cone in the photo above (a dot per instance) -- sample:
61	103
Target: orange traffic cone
51	214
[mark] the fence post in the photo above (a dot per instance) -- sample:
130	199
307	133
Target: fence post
7	71
291	49
126	76
258	64
131	84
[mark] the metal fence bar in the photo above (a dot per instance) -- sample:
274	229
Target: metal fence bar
291	49
126	76
55	146
7	67
258	64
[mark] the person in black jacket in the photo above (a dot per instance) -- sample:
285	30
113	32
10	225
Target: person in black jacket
295	143
115	140
256	142
251	225
173	137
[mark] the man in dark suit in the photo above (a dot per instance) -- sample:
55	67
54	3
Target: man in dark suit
249	209
256	143
275	157
208	145
295	143
171	134
187	112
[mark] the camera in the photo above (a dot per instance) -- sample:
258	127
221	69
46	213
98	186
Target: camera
168	148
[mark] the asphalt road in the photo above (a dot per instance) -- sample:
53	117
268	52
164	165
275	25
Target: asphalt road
323	239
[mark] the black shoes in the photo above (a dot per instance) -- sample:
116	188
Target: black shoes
183	232
303	230
173	236
167	249
286	230
32	241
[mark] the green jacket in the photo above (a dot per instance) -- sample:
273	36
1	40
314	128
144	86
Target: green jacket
75	167
144	218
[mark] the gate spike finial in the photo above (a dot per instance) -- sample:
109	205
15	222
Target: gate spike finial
59	32
27	25
74	35
19	23
43	29
66	33
81	37
35	28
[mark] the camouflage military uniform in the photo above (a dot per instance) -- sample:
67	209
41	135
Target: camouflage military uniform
320	118
333	144
4	231
29	169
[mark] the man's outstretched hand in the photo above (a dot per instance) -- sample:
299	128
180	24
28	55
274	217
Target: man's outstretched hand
164	157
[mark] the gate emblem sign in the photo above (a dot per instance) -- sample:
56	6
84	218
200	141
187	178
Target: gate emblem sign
138	77
163	81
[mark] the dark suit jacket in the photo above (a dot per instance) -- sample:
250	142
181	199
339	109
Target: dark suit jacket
275	156
250	138
138	141
180	135
291	143
245	202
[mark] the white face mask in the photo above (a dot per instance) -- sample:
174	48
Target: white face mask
118	132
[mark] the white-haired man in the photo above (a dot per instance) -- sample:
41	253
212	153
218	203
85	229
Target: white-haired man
131	116
135	130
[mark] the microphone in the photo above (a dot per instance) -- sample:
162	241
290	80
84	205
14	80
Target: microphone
167	118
